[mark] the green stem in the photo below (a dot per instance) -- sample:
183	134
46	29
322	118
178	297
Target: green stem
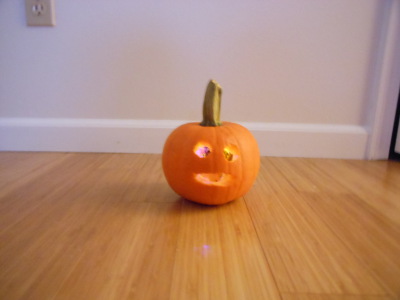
212	105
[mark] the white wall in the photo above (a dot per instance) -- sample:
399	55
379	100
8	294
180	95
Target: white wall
290	69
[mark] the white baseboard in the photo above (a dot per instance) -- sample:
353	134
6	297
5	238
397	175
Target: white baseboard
148	136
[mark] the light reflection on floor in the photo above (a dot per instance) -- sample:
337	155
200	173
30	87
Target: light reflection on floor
203	250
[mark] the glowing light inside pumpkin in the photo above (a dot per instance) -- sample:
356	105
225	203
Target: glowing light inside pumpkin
230	153
202	150
214	179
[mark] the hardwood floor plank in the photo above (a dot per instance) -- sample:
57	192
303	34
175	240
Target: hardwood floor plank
126	260
332	297
140	176
22	167
365	232
28	195
34	213
39	233
107	226
379	189
219	256
306	255
362	227
69	216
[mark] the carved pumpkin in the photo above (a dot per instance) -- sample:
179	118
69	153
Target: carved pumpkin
211	162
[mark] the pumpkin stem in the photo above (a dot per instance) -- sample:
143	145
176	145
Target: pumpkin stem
212	105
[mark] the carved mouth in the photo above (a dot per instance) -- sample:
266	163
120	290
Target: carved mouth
214	179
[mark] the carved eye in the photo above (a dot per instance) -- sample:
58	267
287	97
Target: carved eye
231	153
202	150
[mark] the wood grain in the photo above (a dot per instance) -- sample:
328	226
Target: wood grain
219	255
107	226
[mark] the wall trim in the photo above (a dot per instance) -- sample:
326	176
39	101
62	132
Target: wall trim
148	136
385	85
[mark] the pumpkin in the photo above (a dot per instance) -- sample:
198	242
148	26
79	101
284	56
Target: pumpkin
211	162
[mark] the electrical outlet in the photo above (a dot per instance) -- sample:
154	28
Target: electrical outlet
40	13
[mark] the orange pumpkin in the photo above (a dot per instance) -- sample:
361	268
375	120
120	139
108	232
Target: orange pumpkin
211	162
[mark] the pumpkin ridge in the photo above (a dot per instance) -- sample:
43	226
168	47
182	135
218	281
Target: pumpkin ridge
229	128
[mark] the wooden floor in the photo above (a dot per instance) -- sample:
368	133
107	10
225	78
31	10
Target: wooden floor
107	226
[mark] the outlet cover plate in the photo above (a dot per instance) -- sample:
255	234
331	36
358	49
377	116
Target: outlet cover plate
40	13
